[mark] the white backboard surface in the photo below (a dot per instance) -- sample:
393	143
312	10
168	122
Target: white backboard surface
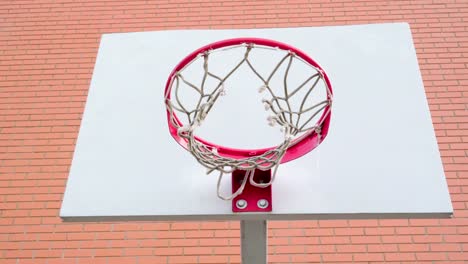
380	159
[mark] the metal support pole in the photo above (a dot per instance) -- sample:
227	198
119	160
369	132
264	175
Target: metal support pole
254	241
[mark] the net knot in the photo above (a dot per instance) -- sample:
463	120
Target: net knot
262	88
318	130
184	130
266	104
214	151
271	120
222	90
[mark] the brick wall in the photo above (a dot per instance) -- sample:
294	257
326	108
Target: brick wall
47	54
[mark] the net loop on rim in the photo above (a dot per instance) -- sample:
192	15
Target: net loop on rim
291	121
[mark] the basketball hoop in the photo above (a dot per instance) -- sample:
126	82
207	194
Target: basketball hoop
304	127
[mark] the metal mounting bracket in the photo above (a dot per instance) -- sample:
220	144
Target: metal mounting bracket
252	199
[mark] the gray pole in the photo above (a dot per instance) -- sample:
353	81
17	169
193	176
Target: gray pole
254	241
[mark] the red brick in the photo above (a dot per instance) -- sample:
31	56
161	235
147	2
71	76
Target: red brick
213	259
80	236
288	232
108	252
278	225
98	260
296	249
72	253
301	224
15	213
18	254
309	258
94	244
124	243
182	259
152	259
354	231
400	256
61	261
428	239
126	227
168	251
382	248
445	247
351	248
365	239
183	242
69	228
213	242
410	230
54	253
139	252
380	231
441	230
456	239
335	240
233	250
320	232
97	227
217	233
278	259
321	249
424	222
170	234
114	235
363	223
213	225
336	258
185	226
305	240
154	226
369	257
333	223
27	221
276	241
197	251
154	243
413	247
431	256
452	256
393	222
39	229
31	261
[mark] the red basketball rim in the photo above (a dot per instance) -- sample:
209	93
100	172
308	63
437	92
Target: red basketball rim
299	147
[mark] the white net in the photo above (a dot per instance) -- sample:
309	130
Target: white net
293	108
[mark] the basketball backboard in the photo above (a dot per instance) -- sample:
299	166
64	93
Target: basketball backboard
379	160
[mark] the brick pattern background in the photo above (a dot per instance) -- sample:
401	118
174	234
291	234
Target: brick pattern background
47	54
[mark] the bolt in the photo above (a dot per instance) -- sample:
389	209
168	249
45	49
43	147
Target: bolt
262	203
241	204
